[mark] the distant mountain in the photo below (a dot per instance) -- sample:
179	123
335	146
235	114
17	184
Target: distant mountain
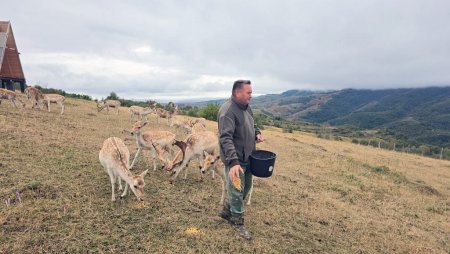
421	114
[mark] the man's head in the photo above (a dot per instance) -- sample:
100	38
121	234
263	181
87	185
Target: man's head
242	91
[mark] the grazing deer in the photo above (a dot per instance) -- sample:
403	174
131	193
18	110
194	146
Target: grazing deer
11	96
46	99
215	164
195	120
135	111
155	141
180	121
115	158
198	127
140	112
33	93
162	113
193	147
108	104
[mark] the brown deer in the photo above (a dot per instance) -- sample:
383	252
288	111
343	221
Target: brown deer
11	96
155	141
115	159
108	104
46	99
193	147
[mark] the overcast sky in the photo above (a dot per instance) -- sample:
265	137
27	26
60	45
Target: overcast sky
176	50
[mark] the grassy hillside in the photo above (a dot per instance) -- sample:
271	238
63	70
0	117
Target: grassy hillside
324	197
422	114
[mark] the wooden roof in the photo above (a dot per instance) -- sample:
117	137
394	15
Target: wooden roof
10	66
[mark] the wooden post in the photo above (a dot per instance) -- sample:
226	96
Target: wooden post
442	150
394	147
368	144
379	144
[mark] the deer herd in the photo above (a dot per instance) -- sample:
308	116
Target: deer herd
200	144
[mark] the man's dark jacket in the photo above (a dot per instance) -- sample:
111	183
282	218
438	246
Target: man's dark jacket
237	133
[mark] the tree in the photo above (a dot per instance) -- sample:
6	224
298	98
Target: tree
210	111
112	96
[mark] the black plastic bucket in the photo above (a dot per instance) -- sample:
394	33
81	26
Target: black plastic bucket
262	163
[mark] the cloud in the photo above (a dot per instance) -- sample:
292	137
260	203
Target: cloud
197	48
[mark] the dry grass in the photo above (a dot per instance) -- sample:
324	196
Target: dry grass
325	196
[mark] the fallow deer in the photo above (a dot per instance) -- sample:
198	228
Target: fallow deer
33	93
155	141
162	113
46	99
193	147
11	96
140	112
108	104
115	159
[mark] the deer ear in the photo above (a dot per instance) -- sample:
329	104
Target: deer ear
205	154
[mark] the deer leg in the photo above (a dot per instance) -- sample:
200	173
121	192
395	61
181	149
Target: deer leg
120	183
113	182
135	157
13	103
62	107
125	190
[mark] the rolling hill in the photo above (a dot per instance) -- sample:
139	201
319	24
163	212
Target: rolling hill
421	114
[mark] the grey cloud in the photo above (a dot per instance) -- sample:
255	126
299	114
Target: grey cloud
278	45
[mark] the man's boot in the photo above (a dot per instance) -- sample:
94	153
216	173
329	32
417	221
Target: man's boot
225	213
237	220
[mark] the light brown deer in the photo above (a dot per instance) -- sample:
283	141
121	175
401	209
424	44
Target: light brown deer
193	147
155	141
108	104
11	96
33	93
180	121
115	159
140	112
162	113
198	127
46	99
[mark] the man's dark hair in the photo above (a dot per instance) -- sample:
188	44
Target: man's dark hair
238	84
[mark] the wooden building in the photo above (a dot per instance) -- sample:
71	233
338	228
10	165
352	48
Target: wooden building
11	71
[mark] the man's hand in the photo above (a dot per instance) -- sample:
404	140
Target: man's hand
259	138
234	171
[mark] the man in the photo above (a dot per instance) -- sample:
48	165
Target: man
238	136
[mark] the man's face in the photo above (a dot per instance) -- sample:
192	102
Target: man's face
244	95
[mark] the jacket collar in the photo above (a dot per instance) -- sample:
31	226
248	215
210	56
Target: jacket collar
240	105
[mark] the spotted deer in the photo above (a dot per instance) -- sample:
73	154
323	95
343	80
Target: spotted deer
193	147
33	93
162	113
115	159
108	104
140	112
158	142
11	96
46	99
